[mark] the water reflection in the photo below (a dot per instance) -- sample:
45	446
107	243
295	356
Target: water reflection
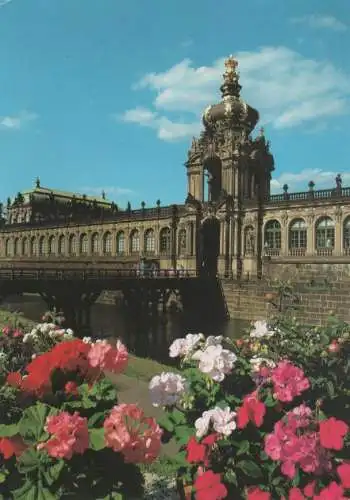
147	336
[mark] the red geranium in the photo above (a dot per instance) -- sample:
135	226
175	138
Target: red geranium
13	446
209	487
196	452
257	494
252	410
332	432
344	473
14	379
332	492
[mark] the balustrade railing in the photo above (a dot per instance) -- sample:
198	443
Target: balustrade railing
309	195
9	273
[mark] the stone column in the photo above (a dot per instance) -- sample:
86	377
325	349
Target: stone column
311	247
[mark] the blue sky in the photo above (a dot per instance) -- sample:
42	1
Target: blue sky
106	94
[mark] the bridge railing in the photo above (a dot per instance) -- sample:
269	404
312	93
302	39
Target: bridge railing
92	274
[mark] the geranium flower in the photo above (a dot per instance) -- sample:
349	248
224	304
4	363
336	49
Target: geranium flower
14	379
332	432
70	435
332	492
222	420
209	487
255	493
196	452
130	432
13	446
105	357
183	347
167	388
289	381
215	361
252	410
343	472
295	494
261	330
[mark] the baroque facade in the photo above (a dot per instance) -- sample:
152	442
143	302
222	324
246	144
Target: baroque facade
229	223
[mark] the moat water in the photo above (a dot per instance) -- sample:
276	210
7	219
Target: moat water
146	336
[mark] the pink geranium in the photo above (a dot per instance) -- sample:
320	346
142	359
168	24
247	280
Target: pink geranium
289	381
104	356
70	435
127	430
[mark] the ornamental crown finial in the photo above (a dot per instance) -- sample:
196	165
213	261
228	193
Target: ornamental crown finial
231	64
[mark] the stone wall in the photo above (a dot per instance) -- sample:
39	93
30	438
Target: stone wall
320	288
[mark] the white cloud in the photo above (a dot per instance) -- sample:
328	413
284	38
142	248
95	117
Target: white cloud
299	182
16	122
288	90
4	2
318	21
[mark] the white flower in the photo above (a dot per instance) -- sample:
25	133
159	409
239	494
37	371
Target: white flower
257	363
261	330
211	340
184	346
222	420
46	328
167	388
67	336
87	340
2	356
202	423
70	332
215	361
27	338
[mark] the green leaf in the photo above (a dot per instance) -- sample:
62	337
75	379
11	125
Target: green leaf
29	461
2	477
177	417
31	425
180	459
166	423
96	419
27	492
52	473
45	494
230	477
8	430
330	389
183	433
97	439
250	468
243	448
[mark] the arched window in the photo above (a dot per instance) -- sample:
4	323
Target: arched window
16	246
61	245
107	243
8	247
121	243
325	234
95	244
165	240
84	244
272	235
42	246
25	247
73	245
297	237
181	238
346	236
51	245
134	241
150	241
34	246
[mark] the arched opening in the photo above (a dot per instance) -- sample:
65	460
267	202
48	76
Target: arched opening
16	247
107	243
84	244
61	245
165	241
73	245
249	241
51	245
34	246
121	243
150	242
212	179
297	237
325	236
42	246
25	247
346	236
134	242
95	244
272	237
210	246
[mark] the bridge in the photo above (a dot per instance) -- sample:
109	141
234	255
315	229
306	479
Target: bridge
74	290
